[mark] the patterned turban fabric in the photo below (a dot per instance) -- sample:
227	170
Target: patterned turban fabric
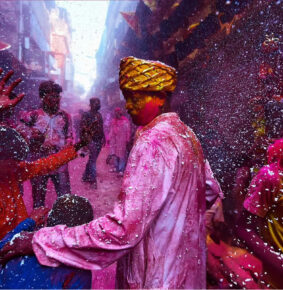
146	75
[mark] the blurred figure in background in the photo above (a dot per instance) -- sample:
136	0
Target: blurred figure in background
119	137
92	121
51	130
107	122
260	225
227	266
76	122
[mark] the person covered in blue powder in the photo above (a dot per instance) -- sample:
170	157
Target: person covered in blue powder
25	272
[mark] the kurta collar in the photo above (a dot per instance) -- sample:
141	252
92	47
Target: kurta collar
163	117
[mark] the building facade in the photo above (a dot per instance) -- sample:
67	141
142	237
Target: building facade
29	28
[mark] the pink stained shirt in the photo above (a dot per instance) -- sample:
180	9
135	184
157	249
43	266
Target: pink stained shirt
57	128
265	190
119	136
156	230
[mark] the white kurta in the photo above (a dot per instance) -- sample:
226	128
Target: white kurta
157	229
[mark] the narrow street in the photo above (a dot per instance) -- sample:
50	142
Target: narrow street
202	205
102	200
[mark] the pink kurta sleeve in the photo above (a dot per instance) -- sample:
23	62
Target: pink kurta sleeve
95	245
262	192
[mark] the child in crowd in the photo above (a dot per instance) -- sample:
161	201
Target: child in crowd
26	273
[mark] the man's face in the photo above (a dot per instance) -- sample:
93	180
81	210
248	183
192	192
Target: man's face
52	101
94	106
142	107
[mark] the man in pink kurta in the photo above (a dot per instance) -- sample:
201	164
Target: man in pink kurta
156	230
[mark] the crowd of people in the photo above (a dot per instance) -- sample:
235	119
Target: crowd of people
167	228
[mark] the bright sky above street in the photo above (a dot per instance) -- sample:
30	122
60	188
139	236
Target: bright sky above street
87	21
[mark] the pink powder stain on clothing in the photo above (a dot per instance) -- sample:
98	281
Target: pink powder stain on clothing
104	279
125	227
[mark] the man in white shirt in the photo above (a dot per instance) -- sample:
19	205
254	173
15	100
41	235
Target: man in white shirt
51	127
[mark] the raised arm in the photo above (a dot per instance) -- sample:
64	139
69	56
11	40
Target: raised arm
5	91
27	170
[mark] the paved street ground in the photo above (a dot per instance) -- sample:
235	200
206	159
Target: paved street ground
102	200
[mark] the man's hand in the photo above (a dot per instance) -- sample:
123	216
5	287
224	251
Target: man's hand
5	91
39	215
20	245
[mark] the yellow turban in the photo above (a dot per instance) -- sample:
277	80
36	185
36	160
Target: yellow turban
146	75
